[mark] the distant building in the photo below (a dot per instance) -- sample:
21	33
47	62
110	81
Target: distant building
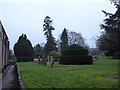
4	48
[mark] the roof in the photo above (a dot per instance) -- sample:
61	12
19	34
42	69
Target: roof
3	29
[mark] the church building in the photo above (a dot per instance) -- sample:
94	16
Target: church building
4	48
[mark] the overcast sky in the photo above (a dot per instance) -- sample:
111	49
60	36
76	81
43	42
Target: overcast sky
26	16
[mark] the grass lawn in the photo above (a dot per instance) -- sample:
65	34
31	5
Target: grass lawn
34	75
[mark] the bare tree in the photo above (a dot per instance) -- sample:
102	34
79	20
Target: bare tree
76	38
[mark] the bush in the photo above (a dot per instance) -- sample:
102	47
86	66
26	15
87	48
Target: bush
116	55
75	47
109	53
24	59
75	54
75	50
23	49
55	55
76	60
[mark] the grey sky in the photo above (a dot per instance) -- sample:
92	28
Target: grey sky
27	17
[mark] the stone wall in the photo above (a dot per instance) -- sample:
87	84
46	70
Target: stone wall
4	48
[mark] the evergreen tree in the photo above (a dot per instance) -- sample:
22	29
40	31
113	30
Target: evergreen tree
23	49
47	28
38	50
110	40
64	39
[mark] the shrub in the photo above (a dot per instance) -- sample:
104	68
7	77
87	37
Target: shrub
75	50
55	55
23	49
76	59
24	59
109	53
75	54
75	47
116	55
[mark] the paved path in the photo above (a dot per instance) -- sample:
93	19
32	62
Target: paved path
10	78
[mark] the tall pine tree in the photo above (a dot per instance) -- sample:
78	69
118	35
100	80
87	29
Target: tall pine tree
110	40
47	28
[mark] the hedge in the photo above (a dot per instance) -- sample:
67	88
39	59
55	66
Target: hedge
109	53
24	59
76	60
116	55
75	52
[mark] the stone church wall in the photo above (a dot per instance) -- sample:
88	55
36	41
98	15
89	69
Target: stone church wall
4	48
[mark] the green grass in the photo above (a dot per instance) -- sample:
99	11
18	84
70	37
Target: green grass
34	75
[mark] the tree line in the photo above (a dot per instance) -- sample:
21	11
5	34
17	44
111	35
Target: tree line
66	38
108	41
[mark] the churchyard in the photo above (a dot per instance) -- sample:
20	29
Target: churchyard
103	73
